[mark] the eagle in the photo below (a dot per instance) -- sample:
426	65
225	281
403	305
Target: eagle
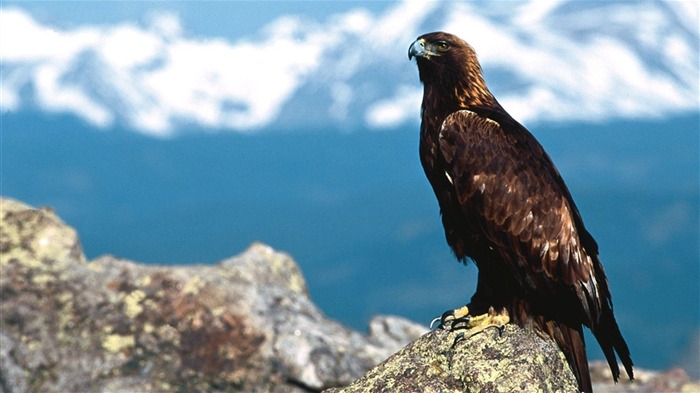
505	206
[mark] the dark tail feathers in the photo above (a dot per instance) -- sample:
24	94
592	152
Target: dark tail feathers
610	340
571	342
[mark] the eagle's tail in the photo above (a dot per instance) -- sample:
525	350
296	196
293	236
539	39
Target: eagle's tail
610	339
570	340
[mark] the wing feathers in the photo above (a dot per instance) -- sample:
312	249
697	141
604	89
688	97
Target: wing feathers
516	190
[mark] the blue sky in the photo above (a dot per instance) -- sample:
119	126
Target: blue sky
230	19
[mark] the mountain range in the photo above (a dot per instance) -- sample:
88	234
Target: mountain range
545	61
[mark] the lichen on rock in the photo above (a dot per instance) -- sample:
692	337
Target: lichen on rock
515	359
246	324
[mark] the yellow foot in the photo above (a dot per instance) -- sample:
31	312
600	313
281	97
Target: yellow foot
459	319
454	316
493	318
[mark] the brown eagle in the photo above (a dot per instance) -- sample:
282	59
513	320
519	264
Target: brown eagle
505	206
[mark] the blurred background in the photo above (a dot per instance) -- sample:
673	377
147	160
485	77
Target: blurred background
180	132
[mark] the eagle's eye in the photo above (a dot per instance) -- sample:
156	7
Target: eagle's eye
442	46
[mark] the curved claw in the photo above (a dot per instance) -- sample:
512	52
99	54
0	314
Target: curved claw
501	329
458	338
447	315
465	319
454	317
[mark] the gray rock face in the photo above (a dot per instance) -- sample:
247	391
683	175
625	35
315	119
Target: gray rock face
516	360
111	325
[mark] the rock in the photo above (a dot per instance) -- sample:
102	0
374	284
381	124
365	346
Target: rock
646	381
517	360
514	360
689	359
110	325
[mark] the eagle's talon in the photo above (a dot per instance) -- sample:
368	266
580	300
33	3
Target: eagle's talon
436	319
470	325
447	315
458	338
501	329
455	316
465	320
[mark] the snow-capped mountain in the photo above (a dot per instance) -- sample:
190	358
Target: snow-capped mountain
545	61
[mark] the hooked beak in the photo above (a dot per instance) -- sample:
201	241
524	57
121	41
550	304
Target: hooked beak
417	49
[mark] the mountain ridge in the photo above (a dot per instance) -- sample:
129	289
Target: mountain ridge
576	61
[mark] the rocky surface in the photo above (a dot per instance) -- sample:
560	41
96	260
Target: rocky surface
515	360
109	325
243	325
646	381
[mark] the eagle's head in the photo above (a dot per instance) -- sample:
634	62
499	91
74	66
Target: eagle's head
430	46
448	65
437	53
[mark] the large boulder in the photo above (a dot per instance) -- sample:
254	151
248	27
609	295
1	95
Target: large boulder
512	360
110	325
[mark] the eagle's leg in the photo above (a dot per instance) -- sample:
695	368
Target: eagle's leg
479	323
459	319
454	316
457	315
